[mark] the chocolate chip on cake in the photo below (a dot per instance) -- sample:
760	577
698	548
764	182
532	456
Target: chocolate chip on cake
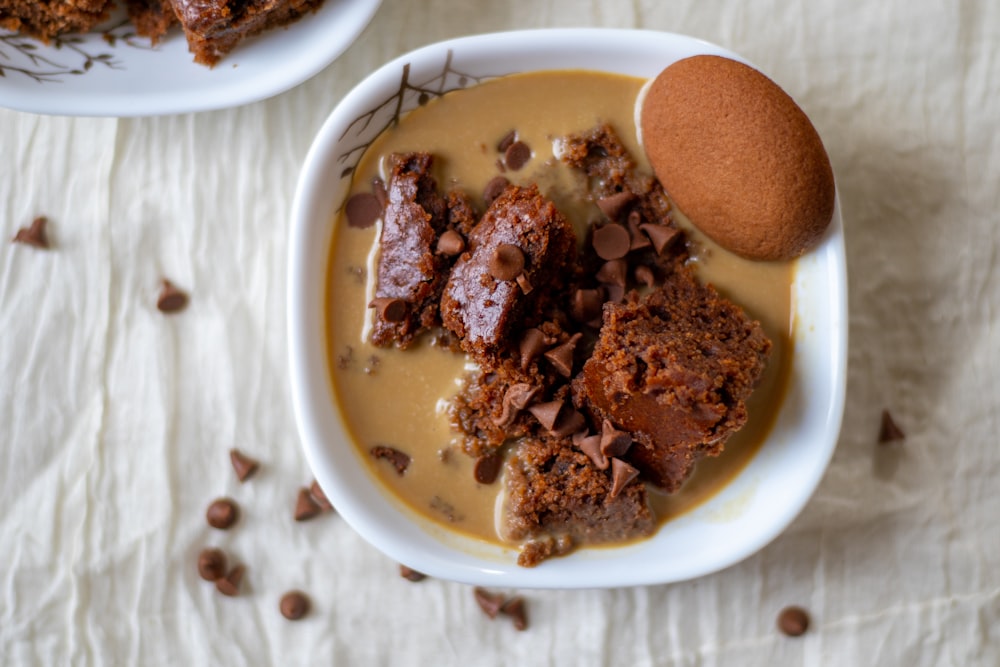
547	413
34	235
561	356
889	431
399	460
793	621
613	441
229	585
613	272
507	262
532	344
621	475
410	574
389	309
523	282
294	605
243	465
211	564
222	513
451	243
517	155
591	446
487	467
171	299
611	241
363	209
613	205
660	235
639	240
488	601
305	506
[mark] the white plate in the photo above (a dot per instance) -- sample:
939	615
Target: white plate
111	72
744	516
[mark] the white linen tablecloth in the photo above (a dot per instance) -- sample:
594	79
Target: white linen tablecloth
115	421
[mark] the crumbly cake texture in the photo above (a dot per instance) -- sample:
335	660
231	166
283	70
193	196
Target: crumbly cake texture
581	382
45	19
214	27
151	18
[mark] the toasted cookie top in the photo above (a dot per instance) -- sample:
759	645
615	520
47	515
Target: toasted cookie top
739	157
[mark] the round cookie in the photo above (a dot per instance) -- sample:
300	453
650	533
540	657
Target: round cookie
738	157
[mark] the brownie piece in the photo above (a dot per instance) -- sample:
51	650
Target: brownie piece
151	18
521	242
673	368
409	269
215	27
46	19
553	489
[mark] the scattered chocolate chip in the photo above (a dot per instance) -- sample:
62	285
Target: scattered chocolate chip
638	239
517	155
501	167
516	398
613	441
451	243
547	413
34	235
532	344
489	602
294	605
793	621
645	275
611	241
171	299
614	294
222	513
507	262
399	460
211	564
494	188
229	585
389	309
613	272
244	466
522	282
889	431
305	506
569	423
410	574
487	467
660	235
515	608
362	210
561	357
317	494
621	475
613	205
591	446
507	140
586	305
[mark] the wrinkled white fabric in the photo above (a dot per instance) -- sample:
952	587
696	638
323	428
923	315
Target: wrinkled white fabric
115	421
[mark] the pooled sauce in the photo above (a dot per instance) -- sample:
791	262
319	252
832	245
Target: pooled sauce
400	398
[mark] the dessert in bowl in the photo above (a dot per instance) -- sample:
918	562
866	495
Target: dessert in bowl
372	386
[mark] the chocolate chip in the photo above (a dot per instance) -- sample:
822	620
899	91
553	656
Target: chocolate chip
586	305
645	275
660	235
613	205
305	506
568	424
222	513
516	398
638	239
229	585
889	431
294	605
211	564
494	188
591	446
34	235
362	210
532	344
793	621
489	602
613	293
507	262
244	466
611	241
389	309
613	441
613	272
451	243
171	299
621	475
317	494
517	155
507	140
561	357
410	574
522	282
399	460
515	608
487	467
547	413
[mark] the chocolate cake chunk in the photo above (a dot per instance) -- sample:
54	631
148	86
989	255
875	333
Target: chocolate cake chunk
47	19
521	243
673	369
553	489
411	274
215	27
151	18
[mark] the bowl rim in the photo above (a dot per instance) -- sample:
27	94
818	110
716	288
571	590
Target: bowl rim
310	389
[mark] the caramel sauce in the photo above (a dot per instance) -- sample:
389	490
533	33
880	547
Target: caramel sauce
399	398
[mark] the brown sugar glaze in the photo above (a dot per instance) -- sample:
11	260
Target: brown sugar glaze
399	398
